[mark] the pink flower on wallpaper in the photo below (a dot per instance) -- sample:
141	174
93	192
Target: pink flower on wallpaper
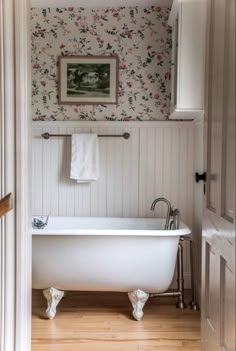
96	17
36	65
43	83
156	96
159	57
158	9
149	76
78	18
123	66
129	84
40	118
116	14
70	8
62	46
100	40
149	47
128	34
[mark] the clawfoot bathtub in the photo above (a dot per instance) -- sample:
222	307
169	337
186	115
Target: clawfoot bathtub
133	255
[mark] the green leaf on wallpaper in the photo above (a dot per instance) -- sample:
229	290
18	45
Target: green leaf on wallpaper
109	46
139	76
140	33
131	13
112	32
49	94
54	33
72	15
83	116
104	18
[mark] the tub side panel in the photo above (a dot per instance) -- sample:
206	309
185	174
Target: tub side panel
104	263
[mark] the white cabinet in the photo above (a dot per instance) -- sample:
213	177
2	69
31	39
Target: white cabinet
188	21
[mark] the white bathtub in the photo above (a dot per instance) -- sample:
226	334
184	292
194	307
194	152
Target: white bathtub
133	255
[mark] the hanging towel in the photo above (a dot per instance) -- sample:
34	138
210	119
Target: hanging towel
84	157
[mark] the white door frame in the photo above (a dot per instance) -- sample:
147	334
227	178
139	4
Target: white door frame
15	243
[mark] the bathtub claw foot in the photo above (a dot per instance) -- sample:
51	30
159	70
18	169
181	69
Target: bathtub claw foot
53	297
138	299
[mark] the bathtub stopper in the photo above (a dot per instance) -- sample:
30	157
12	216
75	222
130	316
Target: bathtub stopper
53	297
138	299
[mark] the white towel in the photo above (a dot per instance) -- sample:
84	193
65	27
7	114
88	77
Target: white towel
84	158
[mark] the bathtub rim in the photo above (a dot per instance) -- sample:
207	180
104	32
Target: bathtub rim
182	231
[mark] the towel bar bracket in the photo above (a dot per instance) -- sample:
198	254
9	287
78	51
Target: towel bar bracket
46	135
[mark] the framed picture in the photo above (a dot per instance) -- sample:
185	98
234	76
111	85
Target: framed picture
88	80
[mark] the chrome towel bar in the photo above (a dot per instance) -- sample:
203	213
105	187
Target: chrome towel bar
125	135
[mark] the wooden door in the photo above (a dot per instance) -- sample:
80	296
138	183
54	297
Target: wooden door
218	245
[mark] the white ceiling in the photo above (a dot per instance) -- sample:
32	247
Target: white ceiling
98	3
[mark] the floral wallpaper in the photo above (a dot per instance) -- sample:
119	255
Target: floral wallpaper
141	39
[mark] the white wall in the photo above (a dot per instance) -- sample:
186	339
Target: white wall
156	161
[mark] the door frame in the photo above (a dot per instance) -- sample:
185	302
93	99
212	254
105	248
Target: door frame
15	64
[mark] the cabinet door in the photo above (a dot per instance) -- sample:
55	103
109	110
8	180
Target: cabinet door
188	58
191	56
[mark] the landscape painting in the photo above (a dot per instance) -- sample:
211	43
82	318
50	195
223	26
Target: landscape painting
88	80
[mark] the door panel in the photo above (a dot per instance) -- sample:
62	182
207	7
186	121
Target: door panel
218	244
216	58
228	157
227	307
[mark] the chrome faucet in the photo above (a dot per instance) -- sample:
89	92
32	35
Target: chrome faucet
175	221
176	217
162	199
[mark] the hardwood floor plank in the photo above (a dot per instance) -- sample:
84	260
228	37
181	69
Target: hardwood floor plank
89	321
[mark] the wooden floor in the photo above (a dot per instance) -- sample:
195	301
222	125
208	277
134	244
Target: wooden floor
103	322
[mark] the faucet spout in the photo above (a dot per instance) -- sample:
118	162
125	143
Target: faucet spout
167	202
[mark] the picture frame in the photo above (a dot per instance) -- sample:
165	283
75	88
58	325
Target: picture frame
88	80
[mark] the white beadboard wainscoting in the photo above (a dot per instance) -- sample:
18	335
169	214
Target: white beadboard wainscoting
156	161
